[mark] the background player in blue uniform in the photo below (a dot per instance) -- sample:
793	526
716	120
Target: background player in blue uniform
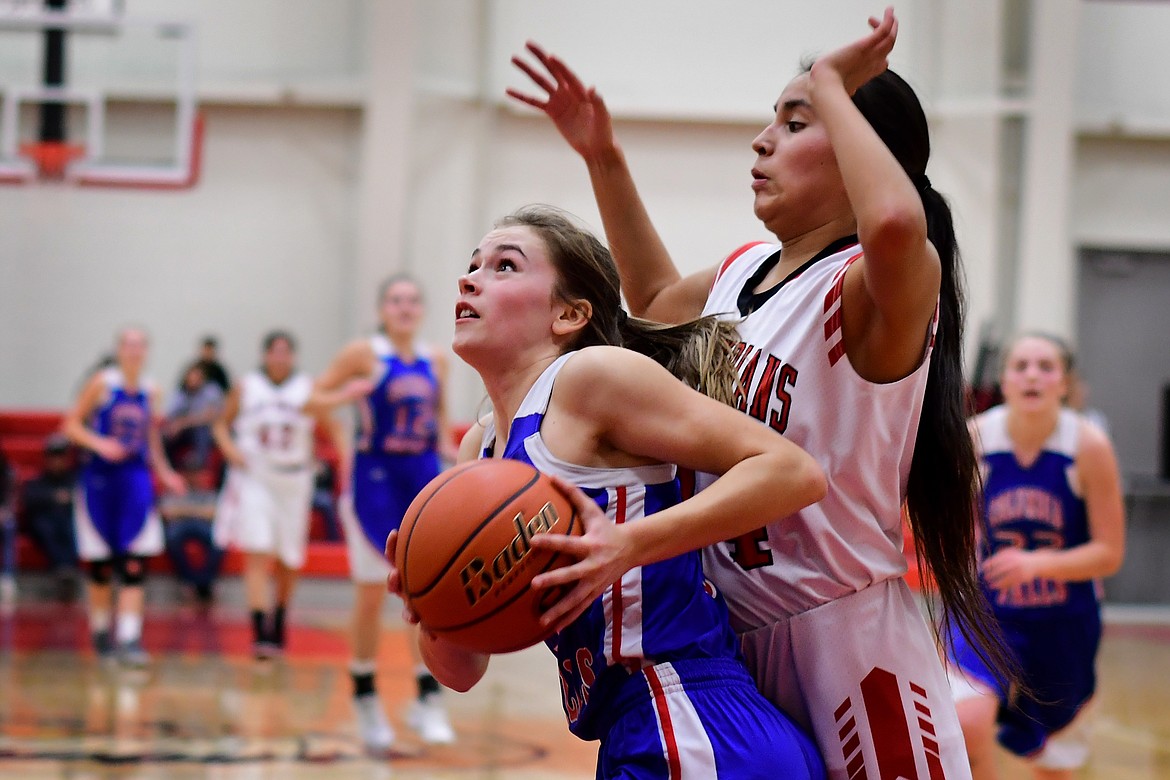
116	418
398	384
672	698
1053	525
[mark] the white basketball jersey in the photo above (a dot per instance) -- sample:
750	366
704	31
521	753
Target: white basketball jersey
270	428
798	380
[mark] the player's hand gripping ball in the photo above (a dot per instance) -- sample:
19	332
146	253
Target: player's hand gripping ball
465	558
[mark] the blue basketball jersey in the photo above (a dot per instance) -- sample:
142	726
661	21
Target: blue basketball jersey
1033	507
124	415
118	496
664	612
400	415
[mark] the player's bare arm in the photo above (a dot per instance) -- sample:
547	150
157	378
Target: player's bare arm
651	283
890	294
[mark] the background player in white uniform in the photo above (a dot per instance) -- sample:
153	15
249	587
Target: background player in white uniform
116	418
399	385
1053	525
539	317
840	353
266	435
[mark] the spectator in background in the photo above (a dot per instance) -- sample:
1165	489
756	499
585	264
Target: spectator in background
47	510
186	431
7	535
1078	400
187	534
212	368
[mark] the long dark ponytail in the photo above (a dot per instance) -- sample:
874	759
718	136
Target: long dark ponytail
697	352
943	492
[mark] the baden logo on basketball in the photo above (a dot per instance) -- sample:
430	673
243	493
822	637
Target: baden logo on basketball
466	558
478	580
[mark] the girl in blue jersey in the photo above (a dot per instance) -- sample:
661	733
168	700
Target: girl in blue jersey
1053	525
116	417
398	385
651	669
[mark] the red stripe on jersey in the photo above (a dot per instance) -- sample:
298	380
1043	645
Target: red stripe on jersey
686	482
833	324
837	352
616	588
673	758
842	711
849	726
839	283
888	726
934	764
731	258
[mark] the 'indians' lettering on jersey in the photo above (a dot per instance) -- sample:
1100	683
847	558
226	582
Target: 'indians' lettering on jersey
765	382
797	380
1033	507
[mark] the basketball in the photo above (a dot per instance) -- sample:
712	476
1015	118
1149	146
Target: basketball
465	559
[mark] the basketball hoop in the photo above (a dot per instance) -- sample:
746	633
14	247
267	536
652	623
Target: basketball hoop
52	157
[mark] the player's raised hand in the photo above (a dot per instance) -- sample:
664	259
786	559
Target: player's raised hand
601	553
578	111
863	59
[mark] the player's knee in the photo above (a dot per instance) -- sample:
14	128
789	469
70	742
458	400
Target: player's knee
101	572
131	570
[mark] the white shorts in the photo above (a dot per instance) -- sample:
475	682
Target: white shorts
92	547
863	674
266	512
366	564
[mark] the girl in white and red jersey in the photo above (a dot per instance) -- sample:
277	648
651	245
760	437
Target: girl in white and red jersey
851	338
266	433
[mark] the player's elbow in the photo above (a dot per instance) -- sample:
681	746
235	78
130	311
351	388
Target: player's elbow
812	485
894	231
1112	559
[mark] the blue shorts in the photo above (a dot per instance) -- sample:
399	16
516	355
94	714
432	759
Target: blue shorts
702	719
1057	658
384	486
118	498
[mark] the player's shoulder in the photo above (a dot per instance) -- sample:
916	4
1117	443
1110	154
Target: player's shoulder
1092	442
744	255
599	378
989	429
602	362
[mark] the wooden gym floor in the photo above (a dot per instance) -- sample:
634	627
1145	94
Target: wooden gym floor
204	709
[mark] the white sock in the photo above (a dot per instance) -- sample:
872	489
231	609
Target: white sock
362	666
99	620
129	628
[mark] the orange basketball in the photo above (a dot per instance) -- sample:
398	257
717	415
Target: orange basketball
465	559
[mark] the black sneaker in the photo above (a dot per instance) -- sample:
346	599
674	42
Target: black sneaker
103	644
